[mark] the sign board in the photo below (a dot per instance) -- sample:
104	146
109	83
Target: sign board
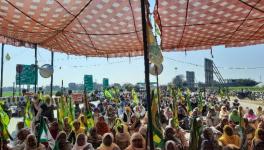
88	82
77	97
26	74
105	83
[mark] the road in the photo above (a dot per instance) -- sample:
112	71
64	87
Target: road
249	104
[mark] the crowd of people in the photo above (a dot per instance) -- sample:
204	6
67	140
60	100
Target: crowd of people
208	124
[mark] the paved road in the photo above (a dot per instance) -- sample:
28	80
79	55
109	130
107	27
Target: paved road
245	104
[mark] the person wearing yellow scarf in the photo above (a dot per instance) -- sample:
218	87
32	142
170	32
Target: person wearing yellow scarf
258	141
228	137
77	129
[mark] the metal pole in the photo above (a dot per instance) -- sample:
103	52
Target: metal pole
158	90
13	90
2	70
62	90
36	69
19	84
51	79
146	62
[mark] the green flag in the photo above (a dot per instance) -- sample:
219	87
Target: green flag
221	93
88	113
194	135
4	121
175	120
28	116
200	101
44	134
135	97
156	126
188	97
71	109
108	95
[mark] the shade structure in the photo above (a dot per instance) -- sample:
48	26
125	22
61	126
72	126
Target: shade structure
102	28
201	24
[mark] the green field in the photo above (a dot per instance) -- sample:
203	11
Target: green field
9	93
247	88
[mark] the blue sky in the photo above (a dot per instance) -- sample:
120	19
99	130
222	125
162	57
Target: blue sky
122	70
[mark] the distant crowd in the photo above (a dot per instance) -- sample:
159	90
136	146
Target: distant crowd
118	120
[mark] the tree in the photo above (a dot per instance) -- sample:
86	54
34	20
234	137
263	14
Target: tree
128	86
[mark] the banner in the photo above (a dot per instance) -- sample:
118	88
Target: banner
77	97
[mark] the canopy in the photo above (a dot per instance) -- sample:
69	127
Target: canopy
104	28
113	28
200	24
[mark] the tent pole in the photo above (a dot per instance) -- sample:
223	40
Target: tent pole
2	70
147	82
36	69
51	78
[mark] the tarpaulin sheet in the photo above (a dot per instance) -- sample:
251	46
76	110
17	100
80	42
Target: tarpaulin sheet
103	28
201	24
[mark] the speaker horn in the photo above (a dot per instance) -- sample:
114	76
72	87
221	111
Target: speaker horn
155	69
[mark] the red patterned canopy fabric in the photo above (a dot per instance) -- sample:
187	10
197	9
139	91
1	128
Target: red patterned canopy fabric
200	24
104	28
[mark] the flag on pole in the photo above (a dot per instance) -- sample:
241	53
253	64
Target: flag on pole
156	126
175	120
200	101
135	97
108	95
188	97
221	93
44	135
194	135
4	121
71	109
88	113
28	116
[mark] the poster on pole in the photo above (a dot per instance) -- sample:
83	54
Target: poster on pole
77	97
26	74
105	83
88	82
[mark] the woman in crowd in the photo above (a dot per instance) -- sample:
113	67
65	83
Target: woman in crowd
170	145
20	125
31	143
101	126
61	141
19	143
223	112
54	129
228	137
208	141
67	127
258	141
234	117
212	118
77	129
250	116
94	138
81	143
122	137
134	124
137	142
259	112
108	143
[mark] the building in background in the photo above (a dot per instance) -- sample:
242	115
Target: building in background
190	79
